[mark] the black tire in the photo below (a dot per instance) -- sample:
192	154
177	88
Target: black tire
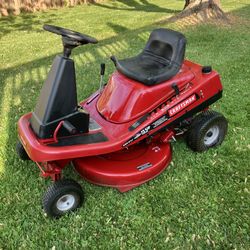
21	152
207	130
62	196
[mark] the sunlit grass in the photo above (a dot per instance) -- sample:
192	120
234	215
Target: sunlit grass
201	201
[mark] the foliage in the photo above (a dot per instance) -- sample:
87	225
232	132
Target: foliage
15	7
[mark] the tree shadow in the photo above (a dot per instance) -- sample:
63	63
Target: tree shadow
25	22
33	21
133	5
117	28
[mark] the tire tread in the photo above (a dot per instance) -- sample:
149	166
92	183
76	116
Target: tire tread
55	190
21	151
199	126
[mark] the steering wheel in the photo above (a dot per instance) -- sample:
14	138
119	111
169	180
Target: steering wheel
72	35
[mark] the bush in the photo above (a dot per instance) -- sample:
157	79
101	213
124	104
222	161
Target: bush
15	7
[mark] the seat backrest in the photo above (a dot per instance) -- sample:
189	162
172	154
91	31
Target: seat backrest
167	44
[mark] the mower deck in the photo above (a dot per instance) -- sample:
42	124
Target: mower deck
128	168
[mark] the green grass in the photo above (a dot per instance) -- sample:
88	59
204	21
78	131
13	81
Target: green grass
201	201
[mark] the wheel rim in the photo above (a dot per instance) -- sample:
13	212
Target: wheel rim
211	136
66	202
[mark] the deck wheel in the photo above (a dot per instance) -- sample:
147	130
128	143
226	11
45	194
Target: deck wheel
207	130
21	151
62	197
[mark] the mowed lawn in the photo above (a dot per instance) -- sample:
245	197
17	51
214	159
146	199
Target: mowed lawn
200	202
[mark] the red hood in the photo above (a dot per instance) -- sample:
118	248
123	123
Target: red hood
124	99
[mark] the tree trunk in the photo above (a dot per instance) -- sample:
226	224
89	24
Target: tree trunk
208	9
192	3
197	11
187	2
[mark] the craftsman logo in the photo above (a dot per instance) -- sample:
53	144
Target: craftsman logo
182	105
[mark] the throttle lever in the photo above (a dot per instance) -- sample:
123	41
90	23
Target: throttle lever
102	72
175	88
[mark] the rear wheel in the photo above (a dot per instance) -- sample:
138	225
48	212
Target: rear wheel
21	152
207	130
62	197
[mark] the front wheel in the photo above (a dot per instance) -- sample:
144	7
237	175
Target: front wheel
207	130
62	197
20	150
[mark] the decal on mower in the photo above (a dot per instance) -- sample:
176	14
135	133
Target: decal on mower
177	108
156	149
144	166
171	112
145	130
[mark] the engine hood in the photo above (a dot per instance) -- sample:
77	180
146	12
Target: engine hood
124	99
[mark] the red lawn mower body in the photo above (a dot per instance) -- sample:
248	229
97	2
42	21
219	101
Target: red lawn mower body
120	136
116	112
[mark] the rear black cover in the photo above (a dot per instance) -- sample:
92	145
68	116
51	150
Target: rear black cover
58	100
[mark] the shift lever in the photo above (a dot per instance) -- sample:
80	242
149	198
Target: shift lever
102	72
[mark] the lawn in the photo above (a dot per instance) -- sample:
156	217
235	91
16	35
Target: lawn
201	201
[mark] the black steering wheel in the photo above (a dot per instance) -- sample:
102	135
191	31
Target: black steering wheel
72	35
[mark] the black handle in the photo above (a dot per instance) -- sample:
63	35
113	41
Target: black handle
69	127
102	72
114	60
206	69
73	35
176	88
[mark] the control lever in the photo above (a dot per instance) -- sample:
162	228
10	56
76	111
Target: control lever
69	127
102	72
175	88
114	60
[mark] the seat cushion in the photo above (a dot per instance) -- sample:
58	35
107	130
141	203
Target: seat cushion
160	60
147	70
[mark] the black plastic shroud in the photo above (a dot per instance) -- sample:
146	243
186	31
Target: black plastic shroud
58	102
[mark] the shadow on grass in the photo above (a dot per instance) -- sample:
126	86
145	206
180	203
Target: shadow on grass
132	5
34	22
25	22
117	28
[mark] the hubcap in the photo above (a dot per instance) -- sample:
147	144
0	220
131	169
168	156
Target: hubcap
66	202
211	136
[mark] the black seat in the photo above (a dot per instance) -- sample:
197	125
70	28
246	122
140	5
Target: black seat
160	60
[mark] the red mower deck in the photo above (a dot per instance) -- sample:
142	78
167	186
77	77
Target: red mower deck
126	169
